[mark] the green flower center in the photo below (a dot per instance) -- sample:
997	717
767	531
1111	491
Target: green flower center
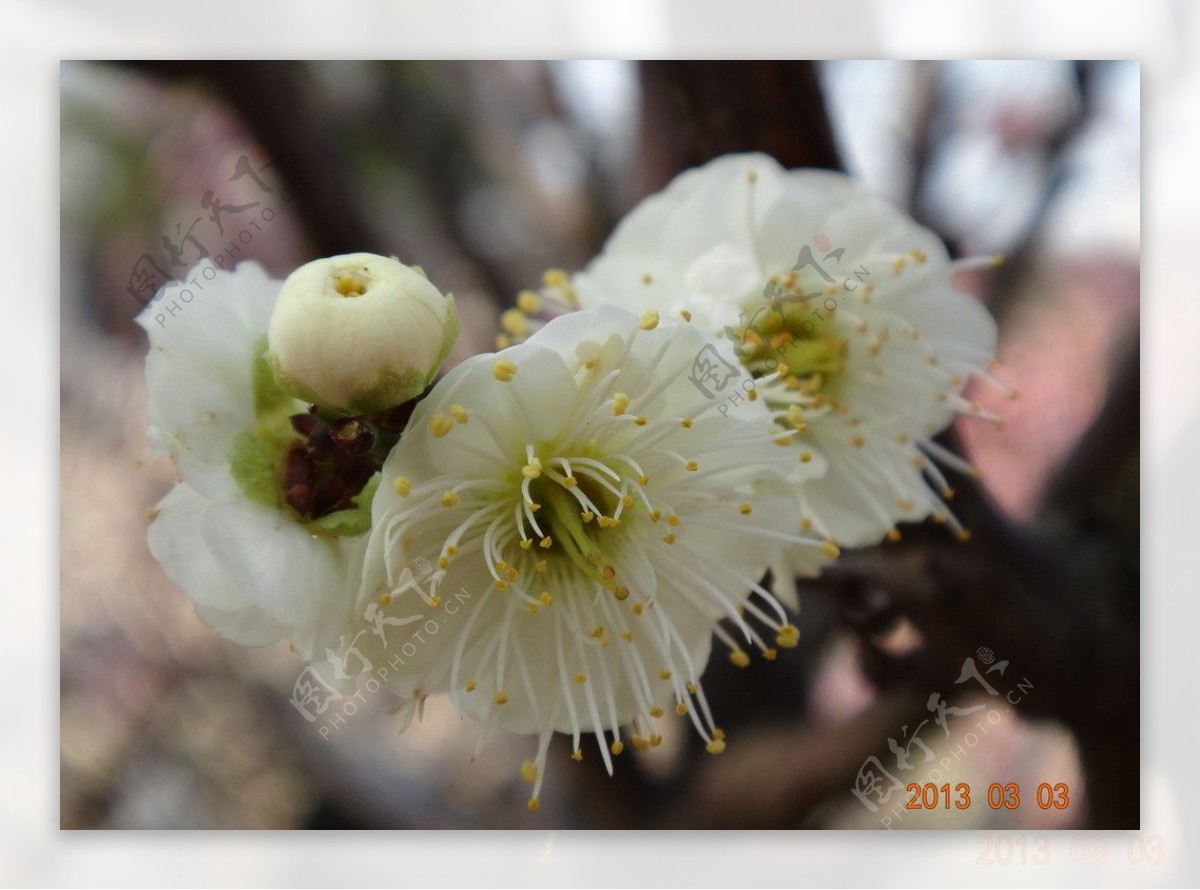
791	334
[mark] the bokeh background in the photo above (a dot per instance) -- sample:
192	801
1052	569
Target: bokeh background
487	173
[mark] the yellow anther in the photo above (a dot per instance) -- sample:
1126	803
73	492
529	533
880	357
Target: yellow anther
609	573
451	550
788	636
546	543
805	524
541	565
830	549
693	688
638	608
531	608
587	516
500	565
435	601
681	709
533	805
918	255
470	687
805	457
672	519
964	535
607	521
449	499
546	599
512	574
655	740
745	509
664	674
639	743
739	658
858	441
784	441
621	593
529	772
570	481
770	654
443	562
616	747
752	394
533	469
796	417
528	302
691	465
151	513
349	286
893	534
685	315
525	544
503	341
577	755
501	584
385	599
459	413
580	678
504	369
626	500
647	278
669	538
439	425
620	402
555	278
640	421
627	636
402	485
514	322
655	515
716	746
649	320
501	698
685	422
905	504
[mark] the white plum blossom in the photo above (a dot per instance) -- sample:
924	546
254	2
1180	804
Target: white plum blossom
255	570
589	518
843	305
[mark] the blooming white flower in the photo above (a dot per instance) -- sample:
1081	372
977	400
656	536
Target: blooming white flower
256	570
359	333
591	517
803	268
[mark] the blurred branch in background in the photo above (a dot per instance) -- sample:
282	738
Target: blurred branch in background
275	101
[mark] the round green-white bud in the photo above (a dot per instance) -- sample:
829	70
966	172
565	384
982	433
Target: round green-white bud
359	333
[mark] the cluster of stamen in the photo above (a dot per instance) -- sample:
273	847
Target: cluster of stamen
554	523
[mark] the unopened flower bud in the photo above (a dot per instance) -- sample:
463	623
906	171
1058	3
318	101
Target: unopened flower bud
359	333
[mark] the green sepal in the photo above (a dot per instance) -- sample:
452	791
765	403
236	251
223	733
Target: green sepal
353	522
